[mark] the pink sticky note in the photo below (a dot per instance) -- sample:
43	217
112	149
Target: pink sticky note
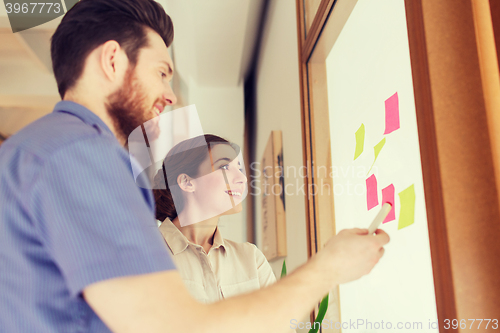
388	196
391	114
371	192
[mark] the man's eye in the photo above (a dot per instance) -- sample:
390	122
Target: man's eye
163	74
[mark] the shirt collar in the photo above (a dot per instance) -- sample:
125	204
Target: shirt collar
83	113
177	242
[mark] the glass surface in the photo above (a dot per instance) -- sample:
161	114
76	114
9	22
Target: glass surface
375	158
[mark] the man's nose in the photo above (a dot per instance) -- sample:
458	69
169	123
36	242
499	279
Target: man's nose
169	95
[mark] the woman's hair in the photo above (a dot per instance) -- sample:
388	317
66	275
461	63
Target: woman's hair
184	158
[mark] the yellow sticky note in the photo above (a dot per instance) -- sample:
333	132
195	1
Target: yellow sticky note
360	141
378	147
407	212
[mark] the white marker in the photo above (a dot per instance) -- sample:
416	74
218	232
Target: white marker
386	208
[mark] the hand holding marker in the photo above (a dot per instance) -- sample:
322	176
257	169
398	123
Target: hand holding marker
386	208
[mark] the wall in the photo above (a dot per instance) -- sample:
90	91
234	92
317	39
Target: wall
221	113
210	60
278	108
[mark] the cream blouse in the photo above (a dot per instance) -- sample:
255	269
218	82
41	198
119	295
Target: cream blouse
229	268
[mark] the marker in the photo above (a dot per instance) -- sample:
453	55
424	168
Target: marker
386	208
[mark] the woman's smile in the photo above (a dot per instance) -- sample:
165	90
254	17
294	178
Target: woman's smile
234	193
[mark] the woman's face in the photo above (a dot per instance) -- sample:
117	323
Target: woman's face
221	186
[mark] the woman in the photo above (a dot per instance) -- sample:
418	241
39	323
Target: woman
201	180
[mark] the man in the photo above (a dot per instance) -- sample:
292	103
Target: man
79	248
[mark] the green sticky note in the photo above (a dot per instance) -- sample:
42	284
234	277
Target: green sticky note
407	212
360	141
378	147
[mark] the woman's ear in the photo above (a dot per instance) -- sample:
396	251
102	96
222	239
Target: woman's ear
185	183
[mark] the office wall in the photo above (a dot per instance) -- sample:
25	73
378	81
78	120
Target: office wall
278	108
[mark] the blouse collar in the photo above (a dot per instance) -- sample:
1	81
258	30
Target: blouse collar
177	242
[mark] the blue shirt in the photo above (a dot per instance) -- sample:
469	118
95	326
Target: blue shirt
70	215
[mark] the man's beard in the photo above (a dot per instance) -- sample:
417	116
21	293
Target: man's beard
127	107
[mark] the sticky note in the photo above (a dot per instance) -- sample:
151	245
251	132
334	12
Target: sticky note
360	141
407	212
378	147
371	192
391	114
388	196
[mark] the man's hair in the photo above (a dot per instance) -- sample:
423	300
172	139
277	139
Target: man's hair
91	23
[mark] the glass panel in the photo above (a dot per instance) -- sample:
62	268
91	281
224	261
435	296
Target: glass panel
375	148
364	132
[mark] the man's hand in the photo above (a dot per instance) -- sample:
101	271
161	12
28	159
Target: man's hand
350	254
159	302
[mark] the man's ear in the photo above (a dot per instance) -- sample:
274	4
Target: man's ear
113	60
185	183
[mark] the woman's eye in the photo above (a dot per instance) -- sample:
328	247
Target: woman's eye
163	74
225	167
